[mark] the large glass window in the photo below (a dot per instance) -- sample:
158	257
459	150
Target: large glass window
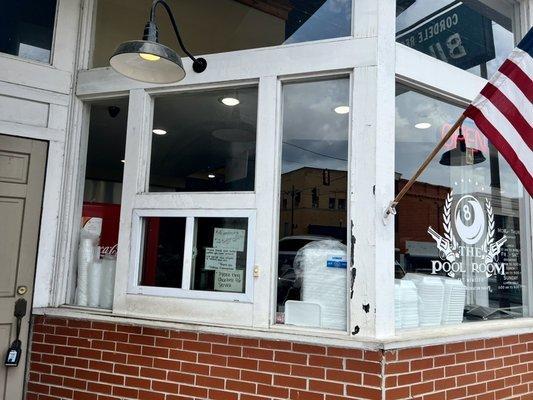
312	247
204	141
98	235
27	28
460	249
466	34
217	26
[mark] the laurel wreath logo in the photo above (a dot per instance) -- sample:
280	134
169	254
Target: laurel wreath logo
447	225
489	238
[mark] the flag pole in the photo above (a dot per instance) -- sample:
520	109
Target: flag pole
391	209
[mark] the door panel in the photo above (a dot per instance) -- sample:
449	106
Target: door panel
22	168
11	213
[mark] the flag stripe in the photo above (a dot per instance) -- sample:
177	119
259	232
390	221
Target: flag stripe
523	60
510	112
503	147
509	133
521	80
515	95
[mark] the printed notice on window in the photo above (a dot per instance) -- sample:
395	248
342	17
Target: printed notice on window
220	258
229	281
230	239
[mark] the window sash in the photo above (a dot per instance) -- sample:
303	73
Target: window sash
137	240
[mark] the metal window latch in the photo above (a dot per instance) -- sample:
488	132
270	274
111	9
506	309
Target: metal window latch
15	350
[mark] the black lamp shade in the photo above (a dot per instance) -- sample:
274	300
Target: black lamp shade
461	155
167	68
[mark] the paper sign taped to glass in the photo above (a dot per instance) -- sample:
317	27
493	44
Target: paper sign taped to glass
229	281
220	259
230	239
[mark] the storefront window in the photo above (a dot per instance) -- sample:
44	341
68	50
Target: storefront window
466	34
246	24
98	236
27	28
312	247
204	141
459	241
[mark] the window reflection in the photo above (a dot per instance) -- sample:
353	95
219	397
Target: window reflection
458	233
312	251
465	34
204	141
216	26
27	28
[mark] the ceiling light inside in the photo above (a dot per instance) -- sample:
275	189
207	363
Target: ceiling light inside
211	176
423	125
123	161
159	131
229	101
342	109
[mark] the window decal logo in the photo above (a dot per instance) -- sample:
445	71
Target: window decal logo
475	229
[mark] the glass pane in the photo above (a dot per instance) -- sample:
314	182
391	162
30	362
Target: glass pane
204	141
217	26
162	261
219	255
98	238
458	229
27	28
312	248
466	34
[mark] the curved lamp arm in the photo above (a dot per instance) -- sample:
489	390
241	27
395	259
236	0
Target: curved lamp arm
199	64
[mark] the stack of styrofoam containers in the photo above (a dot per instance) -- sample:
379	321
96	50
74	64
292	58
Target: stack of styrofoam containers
406	304
430	298
454	301
322	284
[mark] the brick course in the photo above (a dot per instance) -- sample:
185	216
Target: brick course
89	360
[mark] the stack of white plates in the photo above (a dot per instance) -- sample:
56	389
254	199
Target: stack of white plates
454	301
406	307
430	297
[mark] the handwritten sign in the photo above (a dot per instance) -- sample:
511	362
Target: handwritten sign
220	259
229	281
230	239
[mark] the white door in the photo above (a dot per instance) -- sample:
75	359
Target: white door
22	168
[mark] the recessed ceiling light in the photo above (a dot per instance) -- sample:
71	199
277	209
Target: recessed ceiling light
159	131
342	109
211	176
423	125
229	101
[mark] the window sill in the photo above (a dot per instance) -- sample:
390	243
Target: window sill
404	339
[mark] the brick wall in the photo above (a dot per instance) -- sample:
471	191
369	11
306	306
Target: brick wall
490	369
84	360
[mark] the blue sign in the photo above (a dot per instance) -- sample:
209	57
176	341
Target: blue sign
455	34
337	262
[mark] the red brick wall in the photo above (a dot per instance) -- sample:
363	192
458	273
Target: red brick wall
490	369
84	360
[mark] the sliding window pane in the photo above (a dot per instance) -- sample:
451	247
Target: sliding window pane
312	247
219	254
164	241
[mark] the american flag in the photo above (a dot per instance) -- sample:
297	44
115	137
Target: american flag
503	110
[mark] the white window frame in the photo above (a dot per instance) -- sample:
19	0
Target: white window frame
191	217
